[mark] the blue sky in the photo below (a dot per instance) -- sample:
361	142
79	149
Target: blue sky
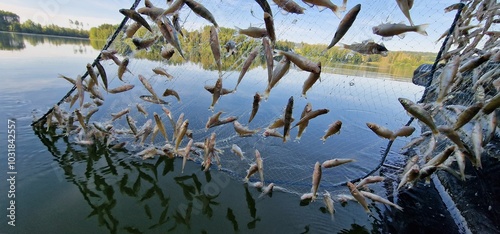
313	27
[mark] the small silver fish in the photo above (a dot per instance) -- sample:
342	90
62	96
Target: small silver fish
336	162
316	178
344	25
121	89
332	129
149	98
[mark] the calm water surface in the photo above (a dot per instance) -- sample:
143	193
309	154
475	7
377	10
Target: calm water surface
62	187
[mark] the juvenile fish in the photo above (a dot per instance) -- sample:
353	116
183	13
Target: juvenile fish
279	71
247	64
268	20
309	82
303	125
185	156
377	198
442	157
420	113
175	22
92	74
169	33
215	46
131	30
237	150
410	176
301	62
141	109
492	104
369	180
390	30
148	86
316	178
405	6
171	92
446	79
143	43
69	79
122	68
467	115
167	53
121	89
79	88
149	98
174	7
332	129
102	73
288	119
216	92
289	6
253	32
213	120
201	11
404	131
367	47
136	17
181	134
163	72
120	114
131	124
358	196
452	135
267	190
344	25
272	132
327	198
336	162
252	170
255	106
381	131
269	58
260	165
311	115
477	142
160	125
324	3
243	131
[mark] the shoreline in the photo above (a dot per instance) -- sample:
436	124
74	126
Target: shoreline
51	35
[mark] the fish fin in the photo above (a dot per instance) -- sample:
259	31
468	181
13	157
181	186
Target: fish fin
309	4
320	8
421	29
387	38
402	35
336	10
284	12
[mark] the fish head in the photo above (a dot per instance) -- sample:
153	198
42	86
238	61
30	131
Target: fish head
405	102
376	30
351	186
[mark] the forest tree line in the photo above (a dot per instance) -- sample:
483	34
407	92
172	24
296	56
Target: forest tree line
10	22
196	47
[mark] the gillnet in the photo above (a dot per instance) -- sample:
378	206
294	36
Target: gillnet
356	89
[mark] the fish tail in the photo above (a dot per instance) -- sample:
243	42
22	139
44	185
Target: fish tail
421	29
336	10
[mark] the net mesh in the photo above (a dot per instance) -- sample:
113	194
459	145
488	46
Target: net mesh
345	87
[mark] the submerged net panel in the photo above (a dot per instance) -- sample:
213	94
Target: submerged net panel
350	87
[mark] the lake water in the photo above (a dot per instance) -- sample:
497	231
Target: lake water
63	187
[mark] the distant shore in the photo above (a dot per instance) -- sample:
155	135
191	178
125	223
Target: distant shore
44	34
